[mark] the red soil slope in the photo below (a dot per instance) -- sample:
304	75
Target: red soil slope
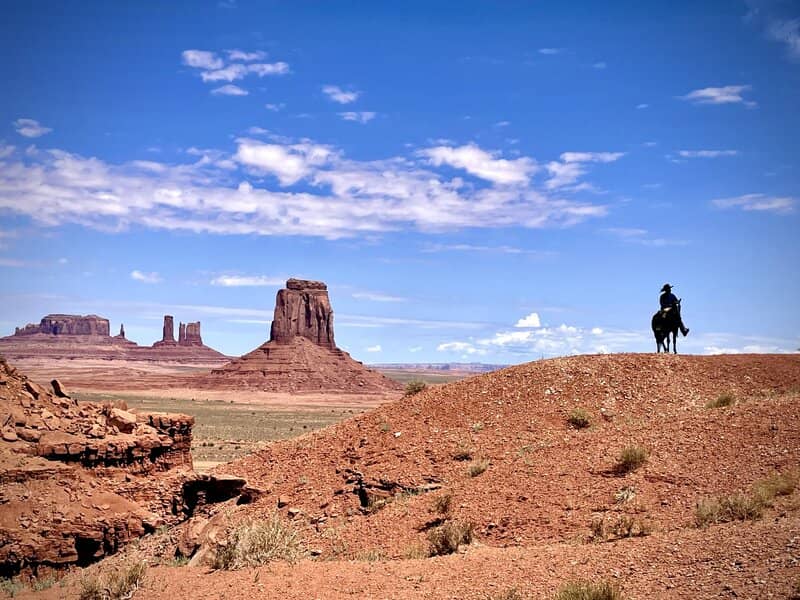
545	482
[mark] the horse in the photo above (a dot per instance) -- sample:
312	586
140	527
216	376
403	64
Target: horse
664	323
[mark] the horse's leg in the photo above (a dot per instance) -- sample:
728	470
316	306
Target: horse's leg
675	341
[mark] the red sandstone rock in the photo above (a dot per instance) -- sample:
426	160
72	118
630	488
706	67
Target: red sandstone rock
303	309
68	325
301	355
59	389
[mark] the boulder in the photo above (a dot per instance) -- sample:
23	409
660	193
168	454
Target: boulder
122	420
59	389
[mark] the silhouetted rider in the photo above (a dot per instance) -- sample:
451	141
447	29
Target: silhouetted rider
669	302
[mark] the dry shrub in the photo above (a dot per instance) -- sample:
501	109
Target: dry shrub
446	538
624	526
416	551
630	459
463	452
588	590
415	387
254	543
625	494
723	509
442	504
119	584
779	484
579	418
477	467
725	399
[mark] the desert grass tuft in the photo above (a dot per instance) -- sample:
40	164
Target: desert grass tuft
463	452
255	542
119	584
724	399
579	418
477	467
630	459
442	504
415	387
588	590
724	509
446	538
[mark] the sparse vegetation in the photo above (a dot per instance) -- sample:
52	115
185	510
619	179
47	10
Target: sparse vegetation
10	587
119	584
477	467
415	387
45	583
741	506
416	551
476	427
442	504
579	418
725	399
624	526
463	452
630	459
625	494
446	538
588	590
254	543
509	594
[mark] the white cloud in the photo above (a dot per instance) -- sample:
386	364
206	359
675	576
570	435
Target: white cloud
599	65
202	59
461	347
571	168
337	94
6	151
246	56
415	349
758	202
226	193
359	117
786	31
597	331
229	73
274	107
30	128
13	262
375	348
246	281
431	248
482	164
153	277
641	106
288	163
729	94
532	320
265	69
377	297
706	153
642	237
229	90
549	51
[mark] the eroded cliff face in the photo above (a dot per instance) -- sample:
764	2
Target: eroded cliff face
78	480
303	309
68	325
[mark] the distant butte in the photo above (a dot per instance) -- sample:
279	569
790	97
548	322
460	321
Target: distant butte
75	337
301	354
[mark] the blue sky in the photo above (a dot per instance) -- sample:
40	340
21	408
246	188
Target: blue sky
475	181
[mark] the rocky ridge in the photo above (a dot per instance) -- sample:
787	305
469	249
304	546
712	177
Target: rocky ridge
78	480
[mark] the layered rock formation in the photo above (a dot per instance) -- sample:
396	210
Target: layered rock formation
67	325
79	480
76	337
303	309
301	354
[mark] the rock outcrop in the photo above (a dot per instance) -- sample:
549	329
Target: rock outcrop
67	325
168	333
189	334
78	480
301	355
303	309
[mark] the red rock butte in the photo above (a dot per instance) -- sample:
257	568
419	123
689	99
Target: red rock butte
301	354
75	336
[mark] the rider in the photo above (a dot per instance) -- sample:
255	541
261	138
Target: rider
668	302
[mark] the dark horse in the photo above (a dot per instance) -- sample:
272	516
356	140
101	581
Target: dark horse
665	323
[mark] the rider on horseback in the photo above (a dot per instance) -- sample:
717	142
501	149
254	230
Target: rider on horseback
670	302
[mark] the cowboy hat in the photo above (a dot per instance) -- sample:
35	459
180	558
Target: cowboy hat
667	287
